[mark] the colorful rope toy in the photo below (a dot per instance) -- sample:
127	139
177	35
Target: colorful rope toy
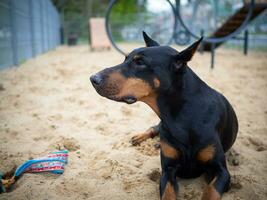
53	162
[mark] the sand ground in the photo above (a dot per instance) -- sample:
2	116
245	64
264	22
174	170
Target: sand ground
48	101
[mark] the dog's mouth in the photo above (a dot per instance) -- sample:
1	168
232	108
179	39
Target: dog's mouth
112	92
125	99
129	99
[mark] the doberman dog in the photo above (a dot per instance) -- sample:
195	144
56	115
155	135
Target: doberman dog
198	125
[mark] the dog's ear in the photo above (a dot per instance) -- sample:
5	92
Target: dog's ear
149	42
186	55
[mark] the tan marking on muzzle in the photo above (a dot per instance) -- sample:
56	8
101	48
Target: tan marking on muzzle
136	87
130	86
116	77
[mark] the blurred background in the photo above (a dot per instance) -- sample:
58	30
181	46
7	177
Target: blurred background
31	27
50	48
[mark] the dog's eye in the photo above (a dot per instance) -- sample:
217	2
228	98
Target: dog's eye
139	61
140	64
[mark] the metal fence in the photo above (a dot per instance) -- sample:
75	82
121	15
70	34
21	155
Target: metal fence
27	28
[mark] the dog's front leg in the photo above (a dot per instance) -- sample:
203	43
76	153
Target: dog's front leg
169	163
220	182
150	133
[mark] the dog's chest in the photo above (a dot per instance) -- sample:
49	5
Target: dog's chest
189	149
189	165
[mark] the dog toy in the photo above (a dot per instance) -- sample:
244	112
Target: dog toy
53	162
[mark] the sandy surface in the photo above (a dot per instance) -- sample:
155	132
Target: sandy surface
48	101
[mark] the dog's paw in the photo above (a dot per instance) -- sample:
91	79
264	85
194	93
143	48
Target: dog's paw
138	139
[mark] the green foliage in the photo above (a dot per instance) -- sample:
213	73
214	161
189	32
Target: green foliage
125	13
75	15
128	7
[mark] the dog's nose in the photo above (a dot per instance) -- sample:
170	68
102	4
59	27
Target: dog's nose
96	79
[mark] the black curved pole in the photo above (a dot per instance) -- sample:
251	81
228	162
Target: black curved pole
111	4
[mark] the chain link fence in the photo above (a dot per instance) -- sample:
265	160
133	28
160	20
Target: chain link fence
27	28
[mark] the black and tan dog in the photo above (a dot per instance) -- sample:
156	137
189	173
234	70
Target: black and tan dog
198	125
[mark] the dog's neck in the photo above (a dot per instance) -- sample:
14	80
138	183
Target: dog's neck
184	87
151	101
166	100
169	103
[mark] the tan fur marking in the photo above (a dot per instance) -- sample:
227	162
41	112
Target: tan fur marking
169	193
151	100
206	154
169	151
137	139
144	136
136	87
130	86
141	90
210	192
156	82
114	82
116	77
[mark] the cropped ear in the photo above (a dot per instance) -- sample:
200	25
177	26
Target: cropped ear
149	42
187	54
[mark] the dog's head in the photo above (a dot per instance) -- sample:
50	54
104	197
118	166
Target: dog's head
144	73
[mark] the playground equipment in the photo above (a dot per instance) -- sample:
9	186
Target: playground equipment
181	32
98	35
235	21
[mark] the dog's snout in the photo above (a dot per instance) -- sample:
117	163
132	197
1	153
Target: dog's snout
96	79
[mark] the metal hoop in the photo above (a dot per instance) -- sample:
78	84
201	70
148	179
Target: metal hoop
111	4
178	38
